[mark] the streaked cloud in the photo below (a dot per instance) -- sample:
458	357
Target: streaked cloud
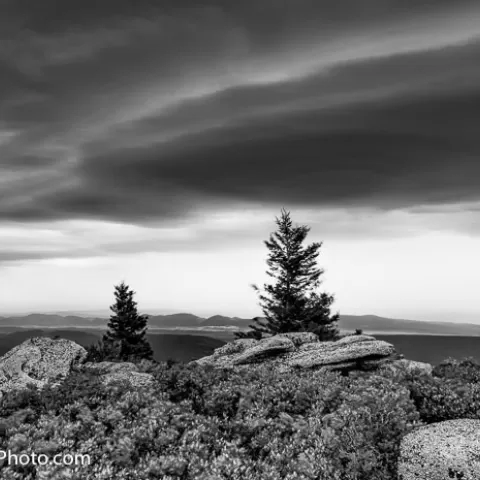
234	113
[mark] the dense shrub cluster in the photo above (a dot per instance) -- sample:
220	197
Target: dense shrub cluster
253	424
467	370
439	399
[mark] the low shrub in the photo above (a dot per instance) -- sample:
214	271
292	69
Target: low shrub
466	370
255	423
440	399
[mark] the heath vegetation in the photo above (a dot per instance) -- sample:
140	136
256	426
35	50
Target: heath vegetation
202	423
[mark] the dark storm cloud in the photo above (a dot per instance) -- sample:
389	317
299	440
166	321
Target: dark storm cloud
27	162
418	147
139	113
52	15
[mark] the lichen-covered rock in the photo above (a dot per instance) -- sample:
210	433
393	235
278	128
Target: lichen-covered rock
348	340
300	338
133	378
443	450
39	360
378	364
315	346
354	339
210	360
409	366
288	351
236	346
270	347
110	372
109	367
245	351
334	353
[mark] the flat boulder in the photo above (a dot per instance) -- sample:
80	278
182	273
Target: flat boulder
103	368
245	351
130	378
332	353
111	372
409	366
442	450
292	350
300	338
237	346
209	360
268	348
347	340
39	360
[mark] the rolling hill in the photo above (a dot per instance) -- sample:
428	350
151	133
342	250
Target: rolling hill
187	321
375	324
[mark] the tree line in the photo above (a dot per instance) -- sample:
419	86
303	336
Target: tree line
291	304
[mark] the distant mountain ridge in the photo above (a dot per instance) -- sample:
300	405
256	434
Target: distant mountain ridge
368	323
159	321
376	324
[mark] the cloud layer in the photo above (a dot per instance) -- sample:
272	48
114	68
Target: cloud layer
131	113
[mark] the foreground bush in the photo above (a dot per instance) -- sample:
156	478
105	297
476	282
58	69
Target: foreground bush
438	400
466	370
254	424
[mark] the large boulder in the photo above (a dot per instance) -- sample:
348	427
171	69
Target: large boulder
132	379
246	351
110	372
103	368
347	340
236	346
441	451
271	347
288	351
410	366
332	353
39	360
300	338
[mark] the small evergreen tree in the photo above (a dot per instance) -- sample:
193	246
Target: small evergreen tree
101	351
292	304
257	329
94	353
125	338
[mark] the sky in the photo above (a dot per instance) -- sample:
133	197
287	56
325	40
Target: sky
157	145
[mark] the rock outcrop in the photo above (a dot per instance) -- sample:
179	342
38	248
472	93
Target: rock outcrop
41	360
346	353
300	338
105	368
303	350
110	372
38	361
443	450
410	366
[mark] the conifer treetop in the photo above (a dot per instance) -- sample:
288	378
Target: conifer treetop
292	303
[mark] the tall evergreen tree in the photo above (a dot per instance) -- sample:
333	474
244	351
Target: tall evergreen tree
318	318
126	338
292	303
